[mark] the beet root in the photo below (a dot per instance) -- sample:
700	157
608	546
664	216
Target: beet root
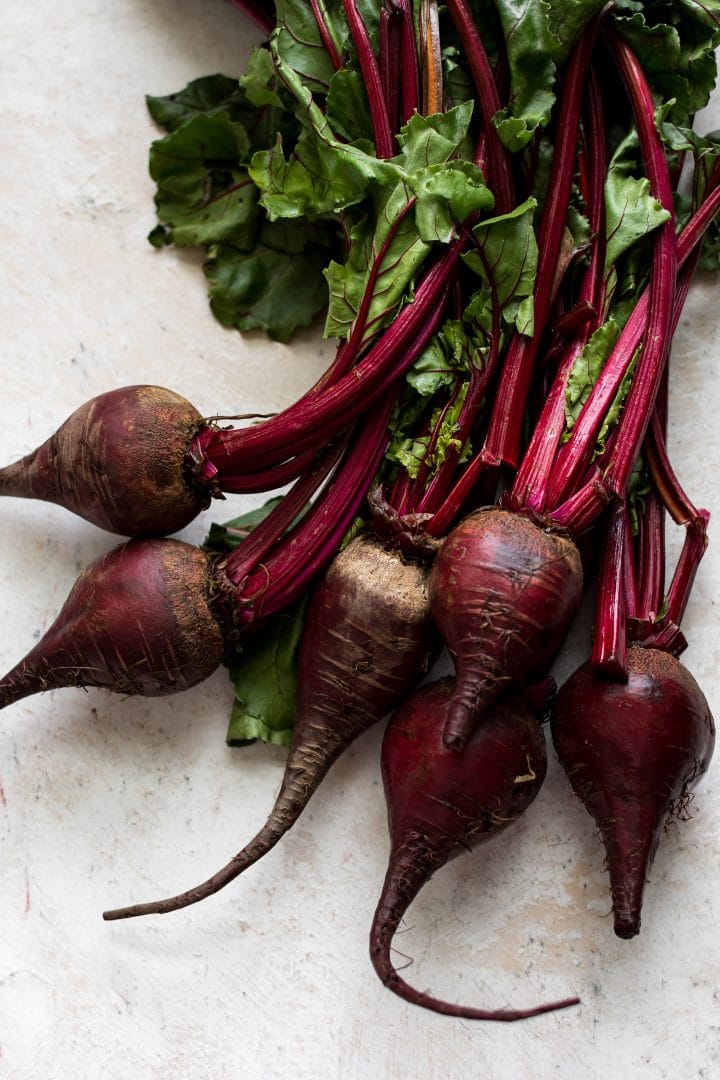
503	591
442	802
367	638
137	621
630	752
119	462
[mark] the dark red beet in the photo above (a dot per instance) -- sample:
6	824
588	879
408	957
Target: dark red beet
503	592
137	621
367	639
441	803
631	751
118	462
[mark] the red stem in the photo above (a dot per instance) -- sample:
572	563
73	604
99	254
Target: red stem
409	70
692	552
609	652
502	443
281	517
315	418
574	455
326	36
488	99
308	547
531	484
652	560
384	137
390	63
656	340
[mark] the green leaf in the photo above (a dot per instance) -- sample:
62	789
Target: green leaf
348	111
260	82
530	46
390	245
204	195
297	41
266	289
675	43
392	249
446	195
631	210
265	681
316	179
505	259
613	413
432	140
206	95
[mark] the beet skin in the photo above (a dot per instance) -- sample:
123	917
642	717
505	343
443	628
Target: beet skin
441	803
503	592
118	462
137	621
630	752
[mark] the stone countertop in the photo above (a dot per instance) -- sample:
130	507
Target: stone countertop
105	801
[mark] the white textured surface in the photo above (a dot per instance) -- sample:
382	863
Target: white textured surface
105	801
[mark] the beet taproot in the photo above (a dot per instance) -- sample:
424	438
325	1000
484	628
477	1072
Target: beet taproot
442	802
119	461
367	639
503	591
631	750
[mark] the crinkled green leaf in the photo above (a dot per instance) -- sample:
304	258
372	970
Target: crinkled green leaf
265	681
201	96
348	111
413	452
530	47
298	42
266	288
632	212
586	370
260	82
446	195
432	140
322	175
505	259
389	245
204	194
675	43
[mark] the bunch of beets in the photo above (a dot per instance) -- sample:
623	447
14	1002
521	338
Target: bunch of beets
507	202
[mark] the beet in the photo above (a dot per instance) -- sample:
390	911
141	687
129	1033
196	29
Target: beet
503	591
367	638
137	621
631	751
441	803
119	462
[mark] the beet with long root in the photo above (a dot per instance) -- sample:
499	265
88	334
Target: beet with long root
631	751
367	639
441	803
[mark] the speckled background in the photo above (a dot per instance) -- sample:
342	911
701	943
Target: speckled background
104	801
